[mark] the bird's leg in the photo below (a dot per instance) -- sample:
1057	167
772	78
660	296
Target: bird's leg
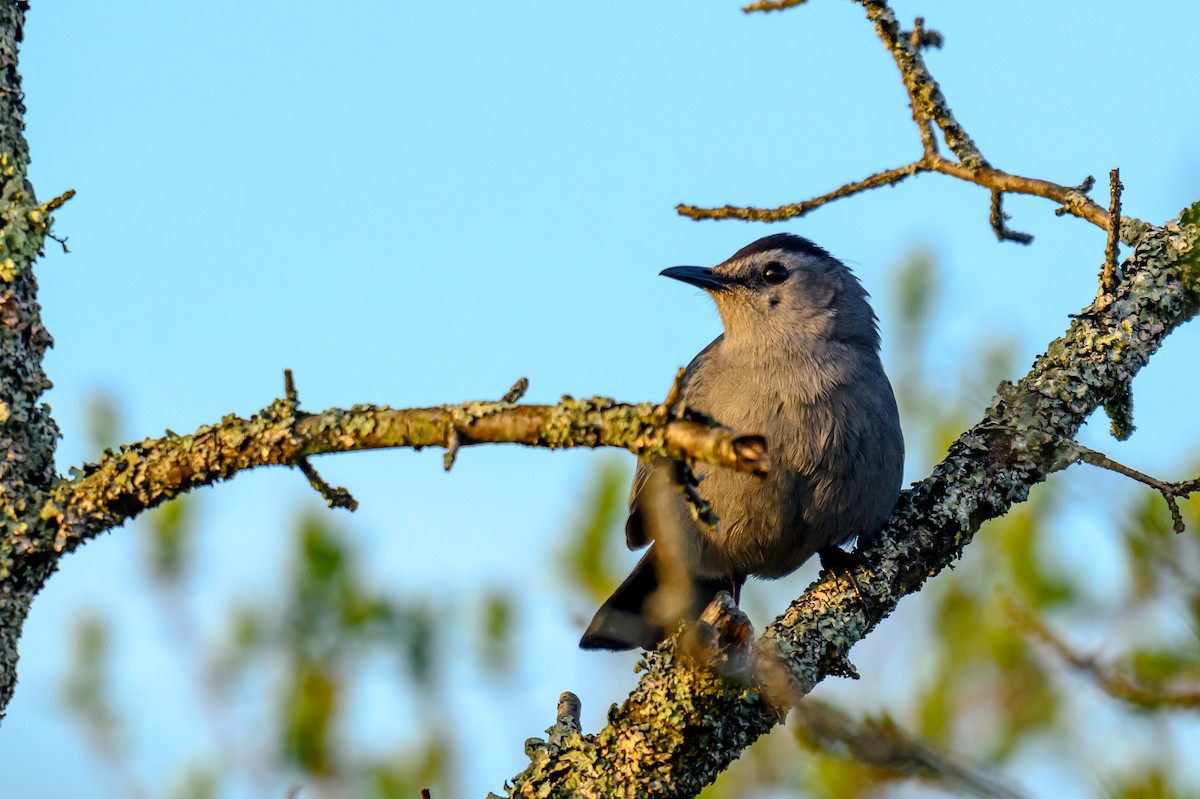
841	563
735	588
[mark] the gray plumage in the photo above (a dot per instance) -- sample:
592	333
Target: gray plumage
798	363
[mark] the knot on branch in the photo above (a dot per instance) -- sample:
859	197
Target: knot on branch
1119	408
288	410
920	37
467	414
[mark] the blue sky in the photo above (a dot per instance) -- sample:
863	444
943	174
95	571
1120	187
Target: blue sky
417	203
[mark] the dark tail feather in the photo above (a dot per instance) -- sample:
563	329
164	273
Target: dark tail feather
625	622
621	623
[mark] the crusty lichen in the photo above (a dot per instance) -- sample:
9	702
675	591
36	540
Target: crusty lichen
27	432
675	718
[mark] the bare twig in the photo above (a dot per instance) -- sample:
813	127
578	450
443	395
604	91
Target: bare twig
62	242
1108	275
50	206
334	496
919	38
1072	201
888	177
772	5
517	391
566	722
670	406
1171	492
1105	676
998	218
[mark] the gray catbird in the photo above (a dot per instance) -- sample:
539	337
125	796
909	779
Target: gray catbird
799	364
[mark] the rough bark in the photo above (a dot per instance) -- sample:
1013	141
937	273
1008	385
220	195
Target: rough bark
27	432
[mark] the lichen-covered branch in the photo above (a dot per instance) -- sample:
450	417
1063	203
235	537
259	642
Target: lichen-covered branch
28	434
680	727
57	518
140	476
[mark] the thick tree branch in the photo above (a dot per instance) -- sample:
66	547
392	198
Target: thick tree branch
681	726
28	434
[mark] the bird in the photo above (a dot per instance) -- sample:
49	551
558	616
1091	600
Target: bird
797	362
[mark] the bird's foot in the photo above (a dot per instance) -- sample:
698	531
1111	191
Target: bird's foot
839	562
721	640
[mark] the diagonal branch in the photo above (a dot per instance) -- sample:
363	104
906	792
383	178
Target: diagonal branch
680	727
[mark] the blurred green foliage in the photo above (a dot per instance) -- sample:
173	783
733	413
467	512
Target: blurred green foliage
589	563
974	703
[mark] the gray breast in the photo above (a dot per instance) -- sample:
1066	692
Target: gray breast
837	460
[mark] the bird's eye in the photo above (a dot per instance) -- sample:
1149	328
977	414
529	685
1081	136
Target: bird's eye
775	272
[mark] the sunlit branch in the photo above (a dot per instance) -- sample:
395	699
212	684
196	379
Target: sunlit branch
929	108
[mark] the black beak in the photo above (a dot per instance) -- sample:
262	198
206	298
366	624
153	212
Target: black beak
700	276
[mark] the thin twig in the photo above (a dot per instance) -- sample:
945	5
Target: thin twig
772	5
888	177
1171	492
998	218
290	394
514	394
58	202
335	496
670	407
1108	275
1105	676
919	38
62	242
